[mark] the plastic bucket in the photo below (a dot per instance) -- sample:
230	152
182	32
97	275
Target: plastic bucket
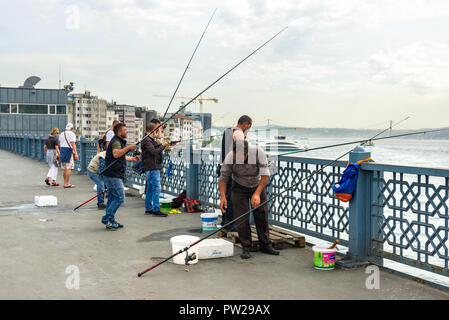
209	221
323	258
165	204
179	243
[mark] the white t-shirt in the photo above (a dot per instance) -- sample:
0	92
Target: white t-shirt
71	137
109	135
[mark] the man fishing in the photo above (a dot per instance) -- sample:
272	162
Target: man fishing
238	132
248	167
114	174
152	149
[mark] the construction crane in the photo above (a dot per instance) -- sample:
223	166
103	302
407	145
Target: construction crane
200	99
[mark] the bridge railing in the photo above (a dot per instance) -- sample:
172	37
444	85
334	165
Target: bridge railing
399	213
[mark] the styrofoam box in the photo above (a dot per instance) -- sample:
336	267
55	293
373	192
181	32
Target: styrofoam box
215	248
43	201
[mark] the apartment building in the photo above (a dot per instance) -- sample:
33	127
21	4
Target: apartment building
89	115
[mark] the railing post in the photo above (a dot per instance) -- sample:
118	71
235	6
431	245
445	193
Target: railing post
25	145
192	168
82	154
359	215
41	146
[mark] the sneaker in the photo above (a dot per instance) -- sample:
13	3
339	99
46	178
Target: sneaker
159	214
112	225
119	225
47	181
104	221
245	254
149	212
268	250
101	206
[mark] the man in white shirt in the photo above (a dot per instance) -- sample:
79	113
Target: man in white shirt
110	134
105	138
68	152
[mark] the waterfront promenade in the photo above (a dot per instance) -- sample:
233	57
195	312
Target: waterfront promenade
35	253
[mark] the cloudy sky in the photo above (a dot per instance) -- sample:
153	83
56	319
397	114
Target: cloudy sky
340	63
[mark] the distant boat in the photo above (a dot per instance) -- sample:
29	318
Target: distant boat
280	144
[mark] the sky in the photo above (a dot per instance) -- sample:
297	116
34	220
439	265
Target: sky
339	64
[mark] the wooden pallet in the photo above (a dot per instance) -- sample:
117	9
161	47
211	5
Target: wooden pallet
279	238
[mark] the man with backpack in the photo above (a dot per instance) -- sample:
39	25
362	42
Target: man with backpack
106	138
230	135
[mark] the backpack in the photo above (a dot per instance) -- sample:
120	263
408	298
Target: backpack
192	205
102	141
177	203
344	188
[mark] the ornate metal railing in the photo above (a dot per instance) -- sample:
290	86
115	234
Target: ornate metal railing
410	215
311	208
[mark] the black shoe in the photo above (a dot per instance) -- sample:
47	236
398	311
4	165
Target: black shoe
245	254
159	214
269	250
112	225
148	212
119	225
101	206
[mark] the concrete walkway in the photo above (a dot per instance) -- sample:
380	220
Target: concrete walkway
34	254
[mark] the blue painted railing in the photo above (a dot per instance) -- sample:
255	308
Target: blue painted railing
398	213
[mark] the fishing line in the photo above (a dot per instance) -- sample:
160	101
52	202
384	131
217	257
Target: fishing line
188	64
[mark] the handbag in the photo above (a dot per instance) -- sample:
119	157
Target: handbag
66	153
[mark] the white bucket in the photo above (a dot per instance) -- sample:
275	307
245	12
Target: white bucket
209	221
179	243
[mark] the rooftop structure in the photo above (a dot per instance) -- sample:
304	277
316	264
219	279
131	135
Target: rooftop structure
30	110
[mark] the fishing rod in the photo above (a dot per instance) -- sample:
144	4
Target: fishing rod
204	90
361	141
90	199
188	258
188	64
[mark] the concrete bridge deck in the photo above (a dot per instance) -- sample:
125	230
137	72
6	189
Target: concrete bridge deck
34	253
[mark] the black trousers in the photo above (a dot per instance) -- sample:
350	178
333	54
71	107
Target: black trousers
241	197
228	215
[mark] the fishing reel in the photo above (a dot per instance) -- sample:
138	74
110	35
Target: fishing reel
189	257
137	152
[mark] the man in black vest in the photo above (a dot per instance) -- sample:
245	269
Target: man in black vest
115	174
229	136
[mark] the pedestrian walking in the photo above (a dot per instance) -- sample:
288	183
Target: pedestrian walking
68	153
51	148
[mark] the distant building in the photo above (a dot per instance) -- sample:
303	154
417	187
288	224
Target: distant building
148	115
29	110
88	114
127	115
181	127
205	118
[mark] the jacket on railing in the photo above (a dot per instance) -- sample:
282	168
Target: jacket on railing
151	154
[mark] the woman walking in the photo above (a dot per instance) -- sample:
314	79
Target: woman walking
51	147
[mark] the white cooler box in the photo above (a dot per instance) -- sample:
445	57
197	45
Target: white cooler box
215	248
44	201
